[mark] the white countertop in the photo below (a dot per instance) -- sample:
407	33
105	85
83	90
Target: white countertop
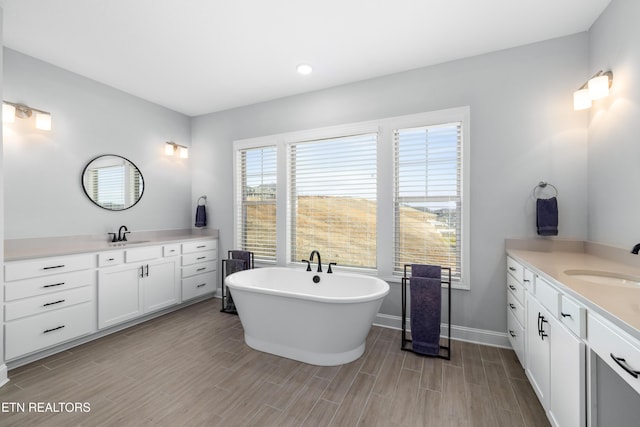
21	249
621	305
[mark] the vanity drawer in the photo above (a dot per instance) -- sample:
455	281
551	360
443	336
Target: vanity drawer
516	336
48	302
201	245
197	257
528	279
609	342
44	285
48	329
106	259
516	288
171	250
548	296
515	269
514	306
196	286
192	270
573	316
143	254
16	270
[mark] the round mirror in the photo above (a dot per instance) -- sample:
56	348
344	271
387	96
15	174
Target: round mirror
112	182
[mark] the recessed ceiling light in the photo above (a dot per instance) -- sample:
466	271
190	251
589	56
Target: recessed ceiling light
304	69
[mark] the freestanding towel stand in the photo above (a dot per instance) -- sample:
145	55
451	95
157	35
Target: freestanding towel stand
225	296
405	340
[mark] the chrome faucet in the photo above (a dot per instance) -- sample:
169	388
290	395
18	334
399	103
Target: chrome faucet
122	237
636	249
314	252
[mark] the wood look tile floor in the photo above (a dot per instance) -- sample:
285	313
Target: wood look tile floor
192	368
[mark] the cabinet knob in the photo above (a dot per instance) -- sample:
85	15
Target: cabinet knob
512	269
513	334
513	307
565	314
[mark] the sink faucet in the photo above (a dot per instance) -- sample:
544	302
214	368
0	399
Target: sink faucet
314	252
636	249
122	237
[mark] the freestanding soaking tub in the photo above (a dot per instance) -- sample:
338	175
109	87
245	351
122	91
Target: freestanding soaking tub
284	312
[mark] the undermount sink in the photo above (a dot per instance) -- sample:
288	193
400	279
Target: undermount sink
607	278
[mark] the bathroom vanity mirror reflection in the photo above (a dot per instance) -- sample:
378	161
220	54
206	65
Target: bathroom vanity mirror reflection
112	182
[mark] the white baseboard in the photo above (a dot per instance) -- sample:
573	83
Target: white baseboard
458	333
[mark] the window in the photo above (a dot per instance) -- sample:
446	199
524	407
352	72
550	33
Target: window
428	197
256	212
332	200
370	195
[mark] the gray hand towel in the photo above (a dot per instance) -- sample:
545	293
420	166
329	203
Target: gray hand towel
201	216
547	216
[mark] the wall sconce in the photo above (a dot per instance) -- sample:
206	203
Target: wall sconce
597	87
172	147
11	110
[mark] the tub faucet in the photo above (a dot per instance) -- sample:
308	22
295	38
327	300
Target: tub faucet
636	249
122	237
314	252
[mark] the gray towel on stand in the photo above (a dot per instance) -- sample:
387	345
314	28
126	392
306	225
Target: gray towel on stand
243	255
426	297
232	266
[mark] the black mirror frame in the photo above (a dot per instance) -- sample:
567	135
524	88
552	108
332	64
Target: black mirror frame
96	203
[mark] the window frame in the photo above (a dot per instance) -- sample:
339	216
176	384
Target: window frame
385	184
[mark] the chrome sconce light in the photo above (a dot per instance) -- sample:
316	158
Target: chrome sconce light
171	147
11	110
597	87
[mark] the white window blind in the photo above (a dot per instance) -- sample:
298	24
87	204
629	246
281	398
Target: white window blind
256	216
115	187
332	203
428	197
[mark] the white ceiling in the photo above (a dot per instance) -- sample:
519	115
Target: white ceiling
201	56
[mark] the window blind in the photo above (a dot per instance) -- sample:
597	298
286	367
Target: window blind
332	203
110	186
428	197
256	216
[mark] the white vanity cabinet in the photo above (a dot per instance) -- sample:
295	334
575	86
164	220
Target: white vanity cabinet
48	301
555	353
146	282
199	268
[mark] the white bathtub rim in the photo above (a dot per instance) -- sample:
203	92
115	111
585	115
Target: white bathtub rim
312	358
233	281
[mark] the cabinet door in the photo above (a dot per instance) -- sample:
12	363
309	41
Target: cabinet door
538	349
160	285
119	295
567	369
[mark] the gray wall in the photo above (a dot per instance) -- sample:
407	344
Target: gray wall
2	367
523	130
614	128
43	192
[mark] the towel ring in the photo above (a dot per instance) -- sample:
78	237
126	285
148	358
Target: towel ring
200	198
541	185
